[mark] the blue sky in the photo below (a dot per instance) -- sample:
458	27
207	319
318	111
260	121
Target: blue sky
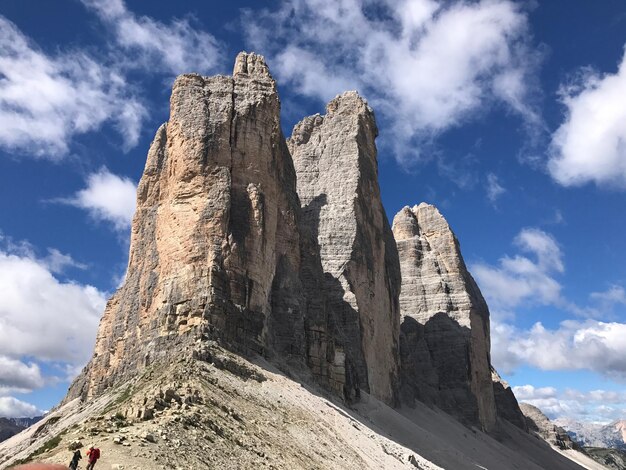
508	116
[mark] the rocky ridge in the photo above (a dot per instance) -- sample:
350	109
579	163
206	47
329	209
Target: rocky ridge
232	413
612	435
540	425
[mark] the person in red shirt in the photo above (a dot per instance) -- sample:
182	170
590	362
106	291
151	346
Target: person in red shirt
93	454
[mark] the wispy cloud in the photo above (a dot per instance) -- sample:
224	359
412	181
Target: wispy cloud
425	65
590	145
494	188
45	100
174	48
523	278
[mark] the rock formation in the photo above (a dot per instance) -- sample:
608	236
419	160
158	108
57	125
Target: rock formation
507	406
444	342
215	251
337	181
247	247
540	425
216	246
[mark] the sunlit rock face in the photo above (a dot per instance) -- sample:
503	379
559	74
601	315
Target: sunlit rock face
215	249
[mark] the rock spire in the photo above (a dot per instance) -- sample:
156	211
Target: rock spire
337	182
214	245
444	340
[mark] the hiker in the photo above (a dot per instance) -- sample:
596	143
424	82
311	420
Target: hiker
93	454
75	459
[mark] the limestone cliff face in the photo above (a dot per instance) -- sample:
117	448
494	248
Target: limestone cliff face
215	248
337	181
444	340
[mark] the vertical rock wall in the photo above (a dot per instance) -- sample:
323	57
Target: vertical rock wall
215	249
335	161
444	339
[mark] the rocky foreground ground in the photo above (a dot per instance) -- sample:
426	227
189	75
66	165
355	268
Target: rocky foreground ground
230	413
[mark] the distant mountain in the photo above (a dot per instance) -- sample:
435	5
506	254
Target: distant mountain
611	458
26	422
596	435
11	426
8	428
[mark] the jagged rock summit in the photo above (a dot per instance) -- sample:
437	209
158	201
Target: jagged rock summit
270	315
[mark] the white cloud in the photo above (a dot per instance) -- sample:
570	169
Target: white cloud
494	188
16	376
612	296
590	145
45	100
528	392
599	396
520	281
108	198
520	278
42	317
175	48
574	345
13	408
425	65
597	406
58	262
544	246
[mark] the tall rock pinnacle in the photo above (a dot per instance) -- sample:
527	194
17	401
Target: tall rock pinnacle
215	250
444	340
335	161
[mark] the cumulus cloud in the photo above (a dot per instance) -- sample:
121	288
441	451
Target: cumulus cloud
522	278
45	99
590	145
107	197
13	408
528	279
42	317
599	406
573	345
526	392
175	48
16	376
425	65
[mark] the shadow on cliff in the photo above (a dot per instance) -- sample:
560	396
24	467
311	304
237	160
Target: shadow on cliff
436	366
336	323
